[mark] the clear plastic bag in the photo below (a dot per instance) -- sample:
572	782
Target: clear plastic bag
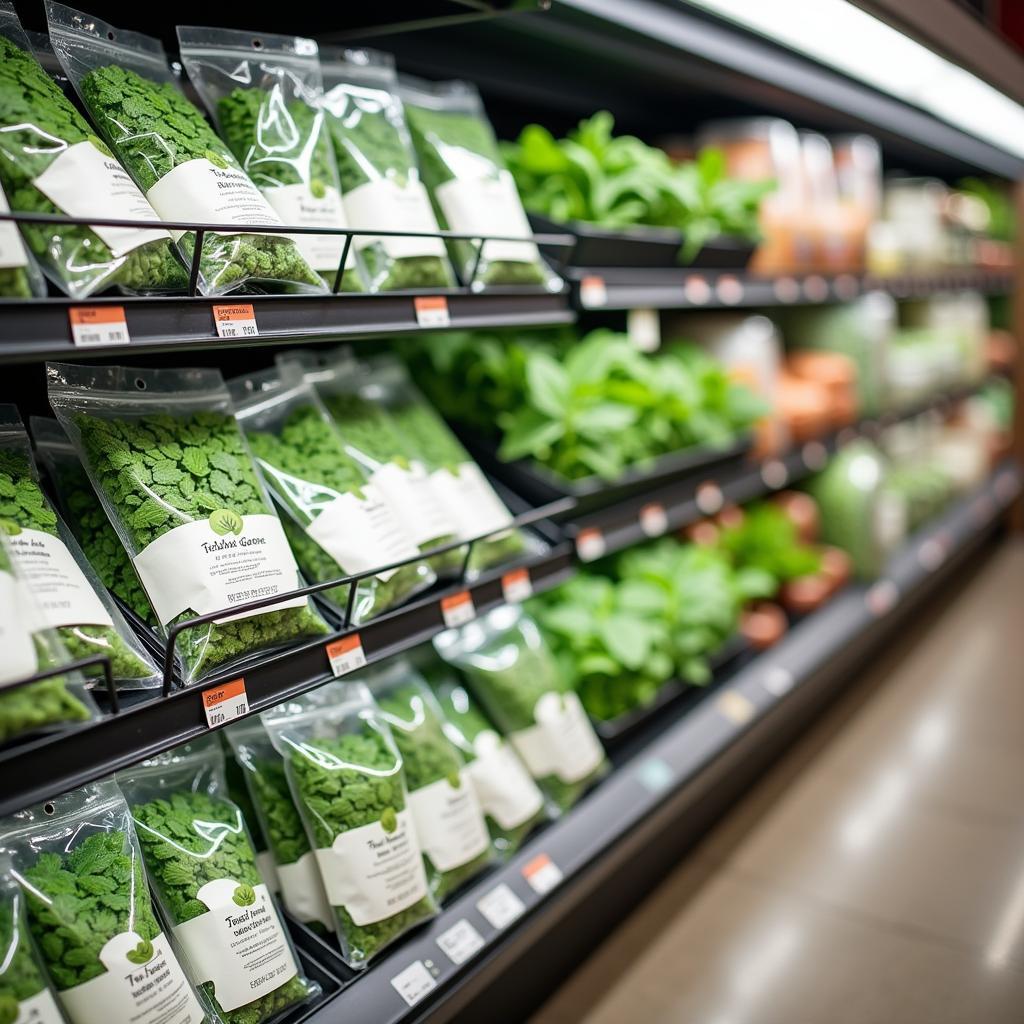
203	868
78	862
52	162
471	188
263	774
380	181
20	277
346	775
263	92
170	464
66	589
445	810
514	675
335	520
175	157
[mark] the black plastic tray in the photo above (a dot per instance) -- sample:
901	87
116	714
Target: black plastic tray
599	247
727	252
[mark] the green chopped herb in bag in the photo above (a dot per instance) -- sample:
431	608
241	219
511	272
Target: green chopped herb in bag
89	910
187	173
347	778
19	275
203	867
238	793
379	178
169	462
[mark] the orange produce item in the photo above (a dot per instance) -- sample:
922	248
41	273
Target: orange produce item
804	407
835	372
836	567
805	593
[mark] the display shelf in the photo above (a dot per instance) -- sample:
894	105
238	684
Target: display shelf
491	923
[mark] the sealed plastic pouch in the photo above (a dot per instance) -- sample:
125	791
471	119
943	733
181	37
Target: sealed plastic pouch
19	273
203	868
187	173
335	519
514	675
168	461
445	810
380	181
472	190
77	861
263	93
347	778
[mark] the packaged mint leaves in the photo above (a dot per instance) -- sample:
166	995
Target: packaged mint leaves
67	592
172	469
263	92
472	190
186	172
203	868
238	793
89	910
347	778
338	522
379	178
514	675
19	274
445	811
52	162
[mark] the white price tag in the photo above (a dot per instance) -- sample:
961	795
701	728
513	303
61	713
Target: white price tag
737	708
516	585
500	907
932	553
93	326
346	655
709	498
786	289
653	519
816	288
413	983
881	598
593	292
235	321
774	474
225	703
590	544
655	774
697	290
432	311
729	290
643	326
458	609
460	941
778	680
542	874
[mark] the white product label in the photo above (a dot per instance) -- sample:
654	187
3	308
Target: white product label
449	823
84	182
235	321
388	206
143	984
562	742
38	1009
211	564
225	703
470	500
361	534
268	870
200	192
303	891
890	520
239	945
460	941
411	496
505	789
12	249
63	596
414	982
19	660
490	206
372	873
500	907
296	205
98	326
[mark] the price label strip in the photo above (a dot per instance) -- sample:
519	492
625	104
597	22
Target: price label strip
542	874
236	321
500	907
516	586
460	941
97	326
225	703
346	655
458	609
432	311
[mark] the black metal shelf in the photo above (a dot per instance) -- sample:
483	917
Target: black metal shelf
815	656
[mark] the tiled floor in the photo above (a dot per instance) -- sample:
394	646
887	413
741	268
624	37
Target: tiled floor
876	875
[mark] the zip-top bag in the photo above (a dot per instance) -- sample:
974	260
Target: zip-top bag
20	277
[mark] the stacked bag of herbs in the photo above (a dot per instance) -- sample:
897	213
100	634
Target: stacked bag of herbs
186	172
19	274
169	463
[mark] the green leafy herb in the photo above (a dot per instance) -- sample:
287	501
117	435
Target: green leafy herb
767	540
21	973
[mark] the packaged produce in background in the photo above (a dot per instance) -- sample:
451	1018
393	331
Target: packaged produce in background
78	862
51	162
64	585
263	92
20	277
336	520
514	675
511	801
446	813
471	188
380	180
292	856
187	173
347	777
169	463
203	868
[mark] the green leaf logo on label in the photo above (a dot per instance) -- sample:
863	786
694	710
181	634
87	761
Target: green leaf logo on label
225	521
244	896
389	819
317	188
454	780
216	159
142	953
10	527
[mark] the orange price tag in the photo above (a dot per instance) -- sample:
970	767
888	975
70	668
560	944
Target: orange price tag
98	325
225	703
593	292
542	874
516	585
237	321
432	311
653	519
346	654
590	544
458	609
